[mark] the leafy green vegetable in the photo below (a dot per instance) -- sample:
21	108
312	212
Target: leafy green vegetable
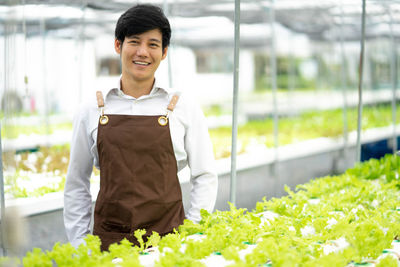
388	261
153	240
340	220
139	236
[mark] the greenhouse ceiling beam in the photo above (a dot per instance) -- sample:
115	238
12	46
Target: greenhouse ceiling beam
306	17
210	8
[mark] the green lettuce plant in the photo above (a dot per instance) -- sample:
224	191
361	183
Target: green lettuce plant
345	220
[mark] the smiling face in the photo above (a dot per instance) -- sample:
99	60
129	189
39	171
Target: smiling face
141	55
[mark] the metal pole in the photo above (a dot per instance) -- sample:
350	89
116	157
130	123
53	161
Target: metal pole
44	74
344	85
25	50
393	73
235	102
170	82
81	48
3	204
360	81
2	199
274	95
292	75
317	53
10	27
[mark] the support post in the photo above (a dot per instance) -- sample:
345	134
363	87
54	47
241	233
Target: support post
360	82
393	74
274	97
235	103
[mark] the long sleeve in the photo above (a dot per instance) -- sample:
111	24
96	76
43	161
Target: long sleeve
77	197
201	162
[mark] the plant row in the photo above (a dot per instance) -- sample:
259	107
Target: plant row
346	220
26	172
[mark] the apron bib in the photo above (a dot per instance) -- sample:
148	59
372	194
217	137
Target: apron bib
139	186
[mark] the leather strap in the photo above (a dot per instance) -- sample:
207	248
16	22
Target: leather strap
100	99
171	105
173	102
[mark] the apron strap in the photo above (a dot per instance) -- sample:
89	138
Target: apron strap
100	99
171	105
173	102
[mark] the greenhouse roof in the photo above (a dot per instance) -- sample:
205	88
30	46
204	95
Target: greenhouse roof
323	20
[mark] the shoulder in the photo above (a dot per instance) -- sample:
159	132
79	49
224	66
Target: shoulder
89	105
92	103
186	99
187	109
87	110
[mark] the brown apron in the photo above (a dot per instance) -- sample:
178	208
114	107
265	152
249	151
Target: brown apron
139	186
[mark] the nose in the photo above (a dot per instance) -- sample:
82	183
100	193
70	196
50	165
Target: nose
142	51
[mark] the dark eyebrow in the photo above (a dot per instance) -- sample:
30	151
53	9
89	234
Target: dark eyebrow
130	39
151	40
155	40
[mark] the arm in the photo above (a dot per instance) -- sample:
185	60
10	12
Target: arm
77	197
201	161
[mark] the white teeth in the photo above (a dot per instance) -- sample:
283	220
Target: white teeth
141	63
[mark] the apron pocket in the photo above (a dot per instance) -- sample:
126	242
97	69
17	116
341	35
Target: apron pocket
110	226
115	213
159	217
148	213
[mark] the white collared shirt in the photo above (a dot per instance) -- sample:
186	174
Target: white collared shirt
190	139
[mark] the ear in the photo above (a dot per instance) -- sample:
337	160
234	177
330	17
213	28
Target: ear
117	46
164	53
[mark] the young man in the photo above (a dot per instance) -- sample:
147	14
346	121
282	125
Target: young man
139	134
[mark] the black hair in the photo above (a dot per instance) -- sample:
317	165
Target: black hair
142	18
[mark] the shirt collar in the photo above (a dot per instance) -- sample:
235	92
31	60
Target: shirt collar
157	86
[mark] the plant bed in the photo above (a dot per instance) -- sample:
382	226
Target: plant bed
346	220
30	174
306	126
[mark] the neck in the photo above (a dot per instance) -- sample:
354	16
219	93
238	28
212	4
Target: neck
136	88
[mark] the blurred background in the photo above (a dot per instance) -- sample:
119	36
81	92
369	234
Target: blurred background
298	91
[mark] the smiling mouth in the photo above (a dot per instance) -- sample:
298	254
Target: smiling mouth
141	63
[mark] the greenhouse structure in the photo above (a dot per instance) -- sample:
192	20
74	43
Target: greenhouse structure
301	103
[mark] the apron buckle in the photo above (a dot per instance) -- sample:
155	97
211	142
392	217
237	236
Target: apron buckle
163	120
103	119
